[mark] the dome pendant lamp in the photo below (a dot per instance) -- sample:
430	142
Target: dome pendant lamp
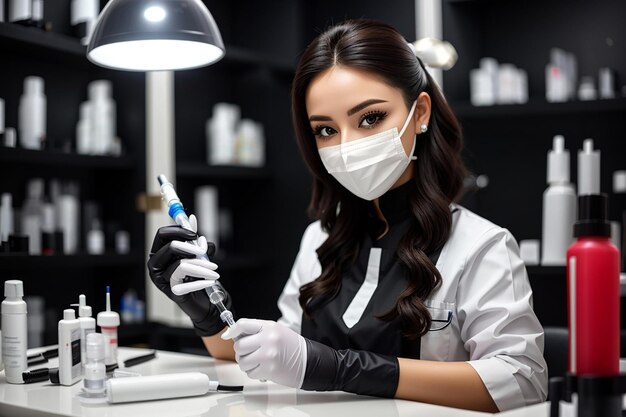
155	35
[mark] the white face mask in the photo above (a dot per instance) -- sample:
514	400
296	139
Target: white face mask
369	167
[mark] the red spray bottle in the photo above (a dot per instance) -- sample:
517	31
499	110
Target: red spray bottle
593	289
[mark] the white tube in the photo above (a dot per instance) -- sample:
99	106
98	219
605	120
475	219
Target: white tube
156	387
14	333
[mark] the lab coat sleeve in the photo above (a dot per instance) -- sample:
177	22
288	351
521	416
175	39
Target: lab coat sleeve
305	269
498	326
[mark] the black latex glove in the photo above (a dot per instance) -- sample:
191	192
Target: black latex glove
165	258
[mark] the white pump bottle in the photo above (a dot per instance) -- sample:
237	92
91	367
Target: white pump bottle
559	207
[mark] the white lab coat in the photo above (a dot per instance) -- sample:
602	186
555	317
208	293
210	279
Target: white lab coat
484	283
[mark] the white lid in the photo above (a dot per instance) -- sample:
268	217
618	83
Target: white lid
619	182
95	346
35	188
558	161
100	89
33	85
13	288
588	169
68	314
7	200
83	309
108	319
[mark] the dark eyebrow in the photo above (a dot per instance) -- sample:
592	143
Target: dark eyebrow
364	104
357	108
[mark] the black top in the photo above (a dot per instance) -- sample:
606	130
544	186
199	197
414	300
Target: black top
327	325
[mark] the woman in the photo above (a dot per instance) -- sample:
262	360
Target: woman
396	291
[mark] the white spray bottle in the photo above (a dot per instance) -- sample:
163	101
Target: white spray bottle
559	207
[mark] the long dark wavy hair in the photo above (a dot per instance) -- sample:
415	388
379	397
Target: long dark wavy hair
438	174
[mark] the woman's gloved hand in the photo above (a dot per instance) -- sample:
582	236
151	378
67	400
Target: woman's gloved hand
173	260
269	351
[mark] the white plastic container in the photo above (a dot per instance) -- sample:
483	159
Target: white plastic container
103	116
83	17
84	140
32	114
87	325
559	207
95	239
206	199
6	216
122	242
68	213
95	371
32	215
221	134
156	387
588	169
14	332
70	369
109	321
20	11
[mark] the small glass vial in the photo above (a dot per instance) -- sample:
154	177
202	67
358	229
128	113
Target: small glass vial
94	377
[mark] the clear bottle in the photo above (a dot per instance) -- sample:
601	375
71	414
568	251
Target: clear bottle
14	332
95	371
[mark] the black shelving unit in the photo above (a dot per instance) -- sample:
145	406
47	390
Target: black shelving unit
206	172
509	143
112	182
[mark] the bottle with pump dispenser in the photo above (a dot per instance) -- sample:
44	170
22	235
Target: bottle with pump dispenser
14	332
593	298
109	321
87	325
32	114
559	206
70	367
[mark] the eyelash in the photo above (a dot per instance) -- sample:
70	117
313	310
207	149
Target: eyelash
380	116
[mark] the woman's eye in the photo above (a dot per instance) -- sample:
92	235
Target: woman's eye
324	131
371	119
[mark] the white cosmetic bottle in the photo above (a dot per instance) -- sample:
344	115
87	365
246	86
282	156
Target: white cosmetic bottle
109	321
588	169
103	118
83	17
32	215
70	370
6	217
32	114
559	207
84	143
20	11
87	325
14	332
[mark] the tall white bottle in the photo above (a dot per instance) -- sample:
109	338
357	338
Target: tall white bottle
87	326
70	367
32	114
103	117
559	207
14	332
32	213
588	169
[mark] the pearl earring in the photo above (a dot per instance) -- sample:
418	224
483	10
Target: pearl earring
423	127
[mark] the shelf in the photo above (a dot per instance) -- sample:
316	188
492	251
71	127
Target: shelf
28	39
64	160
538	108
537	270
209	172
69	261
35	39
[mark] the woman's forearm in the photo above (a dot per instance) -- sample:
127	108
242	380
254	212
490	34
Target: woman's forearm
218	347
452	384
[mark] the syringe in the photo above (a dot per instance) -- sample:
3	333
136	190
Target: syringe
177	213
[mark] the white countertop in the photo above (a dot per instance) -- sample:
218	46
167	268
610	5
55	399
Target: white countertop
257	399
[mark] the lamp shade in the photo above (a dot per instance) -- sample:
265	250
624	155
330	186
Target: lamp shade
155	35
